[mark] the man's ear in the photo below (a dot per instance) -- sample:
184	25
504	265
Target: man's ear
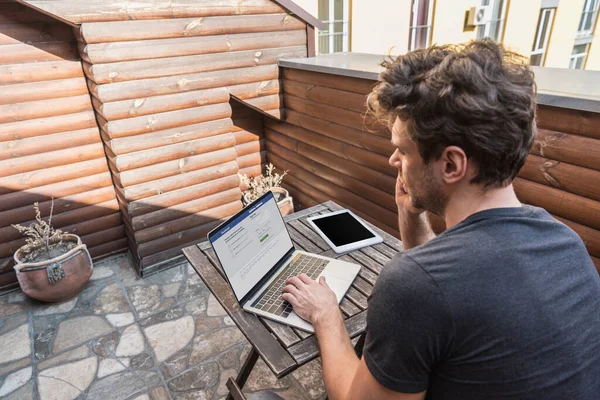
455	165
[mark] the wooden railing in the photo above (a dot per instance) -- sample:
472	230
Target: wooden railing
332	152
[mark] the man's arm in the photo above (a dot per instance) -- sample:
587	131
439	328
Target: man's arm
415	229
345	376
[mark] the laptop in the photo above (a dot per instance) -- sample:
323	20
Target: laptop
258	256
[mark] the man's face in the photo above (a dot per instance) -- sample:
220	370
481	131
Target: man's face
418	178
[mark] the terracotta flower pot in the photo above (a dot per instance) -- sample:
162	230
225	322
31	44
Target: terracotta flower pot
57	279
285	201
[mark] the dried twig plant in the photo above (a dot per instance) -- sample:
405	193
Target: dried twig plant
257	185
41	236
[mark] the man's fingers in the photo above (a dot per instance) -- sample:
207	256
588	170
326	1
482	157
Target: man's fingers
294	280
290	289
305	279
323	281
289	298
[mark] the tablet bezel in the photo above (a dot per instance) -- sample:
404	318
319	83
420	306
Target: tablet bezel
350	246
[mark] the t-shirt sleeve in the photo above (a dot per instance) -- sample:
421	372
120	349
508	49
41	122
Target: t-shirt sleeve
409	327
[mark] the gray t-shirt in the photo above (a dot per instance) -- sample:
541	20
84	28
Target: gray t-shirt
504	305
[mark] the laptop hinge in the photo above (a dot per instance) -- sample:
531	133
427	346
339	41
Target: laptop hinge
267	276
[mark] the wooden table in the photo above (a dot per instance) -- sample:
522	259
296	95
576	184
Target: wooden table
281	347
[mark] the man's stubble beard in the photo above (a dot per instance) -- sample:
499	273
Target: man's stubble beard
429	195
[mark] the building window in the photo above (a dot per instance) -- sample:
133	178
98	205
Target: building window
420	24
335	38
494	27
579	56
542	35
588	18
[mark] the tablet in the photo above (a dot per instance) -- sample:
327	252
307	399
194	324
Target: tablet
344	231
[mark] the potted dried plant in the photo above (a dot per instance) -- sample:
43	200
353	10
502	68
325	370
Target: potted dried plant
258	185
52	266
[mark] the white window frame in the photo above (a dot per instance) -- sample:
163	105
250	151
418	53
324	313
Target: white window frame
546	14
501	20
590	11
575	57
330	32
413	25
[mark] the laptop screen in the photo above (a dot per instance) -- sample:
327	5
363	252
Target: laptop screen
251	243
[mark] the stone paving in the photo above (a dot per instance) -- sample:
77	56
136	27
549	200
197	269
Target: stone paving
161	337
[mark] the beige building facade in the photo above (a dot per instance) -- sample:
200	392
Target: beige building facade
554	33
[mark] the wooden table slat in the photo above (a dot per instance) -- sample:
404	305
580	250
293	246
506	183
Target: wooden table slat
348	308
302	334
301	242
306	212
363	286
366	261
272	352
284	333
212	256
385	249
310	234
308	349
357	297
375	255
364	272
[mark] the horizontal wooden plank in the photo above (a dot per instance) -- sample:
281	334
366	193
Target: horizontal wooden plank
572	149
564	204
176	151
175	47
121	31
181	83
165	120
108	249
328	112
51	159
15	13
320	94
151	191
343	158
44	51
583	123
46	176
38	72
48	143
158	223
560	175
157	104
272	352
44	90
105	10
143	69
345	83
170	136
191	192
342	133
44	108
34	32
23	198
46	126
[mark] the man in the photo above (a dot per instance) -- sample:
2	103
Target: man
504	304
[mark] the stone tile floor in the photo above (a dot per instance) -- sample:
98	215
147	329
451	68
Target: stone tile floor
161	337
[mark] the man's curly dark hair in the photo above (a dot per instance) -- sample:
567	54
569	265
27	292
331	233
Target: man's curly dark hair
477	96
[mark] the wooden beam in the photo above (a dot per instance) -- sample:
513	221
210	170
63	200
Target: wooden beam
37	72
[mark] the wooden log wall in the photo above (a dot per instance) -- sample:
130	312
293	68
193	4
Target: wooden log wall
161	84
50	145
333	153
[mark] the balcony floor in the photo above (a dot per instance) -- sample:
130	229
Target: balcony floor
161	337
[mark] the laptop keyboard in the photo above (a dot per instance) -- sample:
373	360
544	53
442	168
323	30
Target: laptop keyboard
271	300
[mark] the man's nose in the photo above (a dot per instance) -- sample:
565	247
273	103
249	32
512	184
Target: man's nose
395	159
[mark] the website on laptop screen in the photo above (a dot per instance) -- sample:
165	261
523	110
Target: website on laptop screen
251	244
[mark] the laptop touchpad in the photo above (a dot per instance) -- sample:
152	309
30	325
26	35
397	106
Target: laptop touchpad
338	285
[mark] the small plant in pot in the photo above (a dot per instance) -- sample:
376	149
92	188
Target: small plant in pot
258	185
52	266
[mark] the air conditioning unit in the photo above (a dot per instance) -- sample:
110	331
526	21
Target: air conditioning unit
479	15
483	15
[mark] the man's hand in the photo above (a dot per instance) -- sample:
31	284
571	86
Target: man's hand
312	301
403	201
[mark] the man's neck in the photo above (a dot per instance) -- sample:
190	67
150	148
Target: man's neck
475	199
